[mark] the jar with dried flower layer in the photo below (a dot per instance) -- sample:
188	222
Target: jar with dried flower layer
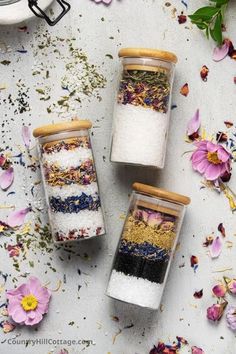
146	247
70	180
142	107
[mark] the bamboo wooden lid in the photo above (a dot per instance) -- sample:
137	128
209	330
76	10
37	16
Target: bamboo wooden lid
50	129
148	53
161	193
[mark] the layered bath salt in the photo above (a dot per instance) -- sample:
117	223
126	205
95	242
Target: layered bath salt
142	107
71	186
144	253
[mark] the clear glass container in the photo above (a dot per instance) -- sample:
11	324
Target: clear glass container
70	181
8	2
146	246
142	107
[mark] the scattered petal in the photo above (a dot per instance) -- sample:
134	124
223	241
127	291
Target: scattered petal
184	90
196	350
221	229
219	53
216	247
228	123
198	294
194	262
193	126
204	72
6	178
219	290
208	241
7	326
26	135
16	218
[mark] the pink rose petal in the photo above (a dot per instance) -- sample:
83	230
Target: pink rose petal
194	124
216	247
25	132
16	218
219	53
6	178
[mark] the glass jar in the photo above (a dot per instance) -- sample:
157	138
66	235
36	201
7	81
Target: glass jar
70	180
142	107
146	247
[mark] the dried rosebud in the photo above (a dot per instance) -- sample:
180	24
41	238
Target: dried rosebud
182	18
231	285
219	290
194	262
2	160
226	176
204	72
215	312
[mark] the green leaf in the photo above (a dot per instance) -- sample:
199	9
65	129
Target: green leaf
216	32
220	2
204	13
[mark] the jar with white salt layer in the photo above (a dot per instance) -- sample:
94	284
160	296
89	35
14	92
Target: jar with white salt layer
142	107
70	180
146	247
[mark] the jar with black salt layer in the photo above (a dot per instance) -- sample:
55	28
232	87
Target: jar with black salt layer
146	247
142	107
70	180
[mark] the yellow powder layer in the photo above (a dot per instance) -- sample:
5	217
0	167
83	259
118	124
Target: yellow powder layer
139	232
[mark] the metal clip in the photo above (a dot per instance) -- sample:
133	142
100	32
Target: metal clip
33	5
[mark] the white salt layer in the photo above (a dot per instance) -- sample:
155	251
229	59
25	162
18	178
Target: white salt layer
68	158
72	190
138	291
139	135
85	219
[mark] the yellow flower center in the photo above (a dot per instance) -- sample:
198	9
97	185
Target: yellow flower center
213	158
29	302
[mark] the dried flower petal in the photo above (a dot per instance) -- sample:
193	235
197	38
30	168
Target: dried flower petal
184	90
196	350
198	294
219	53
204	72
231	317
194	262
6	178
7	326
16	218
193	126
228	124
216	247
26	135
221	229
208	241
219	290
2	160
